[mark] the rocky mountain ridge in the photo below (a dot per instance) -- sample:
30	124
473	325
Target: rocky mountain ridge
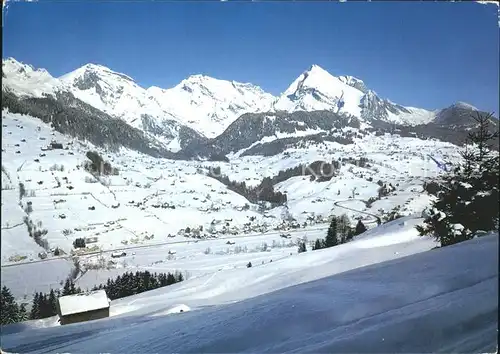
203	116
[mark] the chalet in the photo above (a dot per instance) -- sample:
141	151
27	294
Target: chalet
91	239
88	306
54	145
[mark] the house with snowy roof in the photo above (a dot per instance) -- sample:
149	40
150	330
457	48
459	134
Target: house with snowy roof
83	307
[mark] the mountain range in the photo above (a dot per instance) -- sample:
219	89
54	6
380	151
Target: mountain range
198	115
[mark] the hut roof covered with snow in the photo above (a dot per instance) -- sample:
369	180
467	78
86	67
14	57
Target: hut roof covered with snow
84	302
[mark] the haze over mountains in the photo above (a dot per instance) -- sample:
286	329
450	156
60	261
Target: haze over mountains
201	108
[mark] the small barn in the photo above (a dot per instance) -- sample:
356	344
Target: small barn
93	239
55	145
83	307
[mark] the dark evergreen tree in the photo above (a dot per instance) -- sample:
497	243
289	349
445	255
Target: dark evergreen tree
35	307
360	228
249	264
119	287
468	200
8	306
45	308
66	288
170	279
79	243
302	247
350	234
163	279
331	236
318	245
146	281
53	302
155	284
343	228
23	313
72	289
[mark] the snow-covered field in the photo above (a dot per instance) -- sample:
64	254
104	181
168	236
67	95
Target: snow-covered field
443	300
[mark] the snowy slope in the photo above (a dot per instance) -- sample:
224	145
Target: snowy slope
414	116
450	295
219	278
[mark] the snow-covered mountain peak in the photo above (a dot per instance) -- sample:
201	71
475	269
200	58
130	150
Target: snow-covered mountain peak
11	65
25	80
210	105
94	72
317	89
221	88
198	78
464	105
313	77
317	70
111	92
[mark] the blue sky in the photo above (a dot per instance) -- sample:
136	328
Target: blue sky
426	55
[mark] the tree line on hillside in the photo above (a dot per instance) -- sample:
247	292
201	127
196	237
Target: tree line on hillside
97	165
263	192
129	283
319	171
339	232
467	197
69	115
45	305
